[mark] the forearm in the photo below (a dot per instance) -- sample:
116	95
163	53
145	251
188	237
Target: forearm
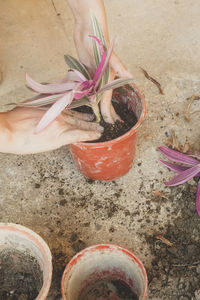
81	10
4	134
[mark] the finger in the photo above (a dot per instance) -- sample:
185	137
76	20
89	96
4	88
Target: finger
76	135
83	124
118	67
105	103
79	115
115	116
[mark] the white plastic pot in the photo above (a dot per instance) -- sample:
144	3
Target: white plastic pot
102	262
23	239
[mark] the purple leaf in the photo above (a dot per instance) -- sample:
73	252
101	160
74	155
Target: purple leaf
103	57
194	154
54	111
177	156
174	167
198	199
52	88
106	63
80	94
86	84
184	176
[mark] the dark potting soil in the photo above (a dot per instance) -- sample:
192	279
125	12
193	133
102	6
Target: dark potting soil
20	275
108	290
113	131
175	271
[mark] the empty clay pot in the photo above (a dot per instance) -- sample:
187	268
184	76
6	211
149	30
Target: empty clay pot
103	263
14	237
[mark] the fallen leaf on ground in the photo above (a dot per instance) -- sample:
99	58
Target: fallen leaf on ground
164	240
173	142
191	99
160	194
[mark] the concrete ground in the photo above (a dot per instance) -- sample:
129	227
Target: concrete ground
45	192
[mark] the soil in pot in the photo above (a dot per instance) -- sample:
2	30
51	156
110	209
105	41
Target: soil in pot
113	131
20	275
108	290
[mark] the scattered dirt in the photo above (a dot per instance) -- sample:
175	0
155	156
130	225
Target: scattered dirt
20	275
175	272
113	131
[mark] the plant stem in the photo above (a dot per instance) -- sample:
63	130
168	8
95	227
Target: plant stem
95	108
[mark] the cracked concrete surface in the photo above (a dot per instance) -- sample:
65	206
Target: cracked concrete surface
45	192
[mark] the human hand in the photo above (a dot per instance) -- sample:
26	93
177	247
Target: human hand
19	137
84	48
117	69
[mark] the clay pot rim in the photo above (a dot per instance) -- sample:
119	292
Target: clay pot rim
41	244
93	248
124	136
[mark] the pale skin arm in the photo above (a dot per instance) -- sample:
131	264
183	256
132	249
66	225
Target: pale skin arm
81	11
17	131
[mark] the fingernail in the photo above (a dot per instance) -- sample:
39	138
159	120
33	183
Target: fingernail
98	135
91	117
100	128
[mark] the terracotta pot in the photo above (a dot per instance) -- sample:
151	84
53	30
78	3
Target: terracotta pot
112	159
103	262
17	237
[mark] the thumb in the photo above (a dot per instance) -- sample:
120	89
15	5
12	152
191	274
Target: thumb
118	67
77	135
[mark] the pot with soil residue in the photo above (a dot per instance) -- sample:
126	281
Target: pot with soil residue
104	272
25	264
111	159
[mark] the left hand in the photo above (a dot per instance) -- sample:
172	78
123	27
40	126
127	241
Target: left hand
17	131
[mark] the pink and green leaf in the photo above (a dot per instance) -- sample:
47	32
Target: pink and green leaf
97	32
103	57
105	66
80	94
115	84
73	63
79	103
54	111
52	88
42	101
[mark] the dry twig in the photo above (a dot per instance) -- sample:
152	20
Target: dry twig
188	265
160	194
1	76
153	80
175	144
164	240
191	99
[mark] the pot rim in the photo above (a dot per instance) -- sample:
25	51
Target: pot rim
93	248
124	136
41	245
